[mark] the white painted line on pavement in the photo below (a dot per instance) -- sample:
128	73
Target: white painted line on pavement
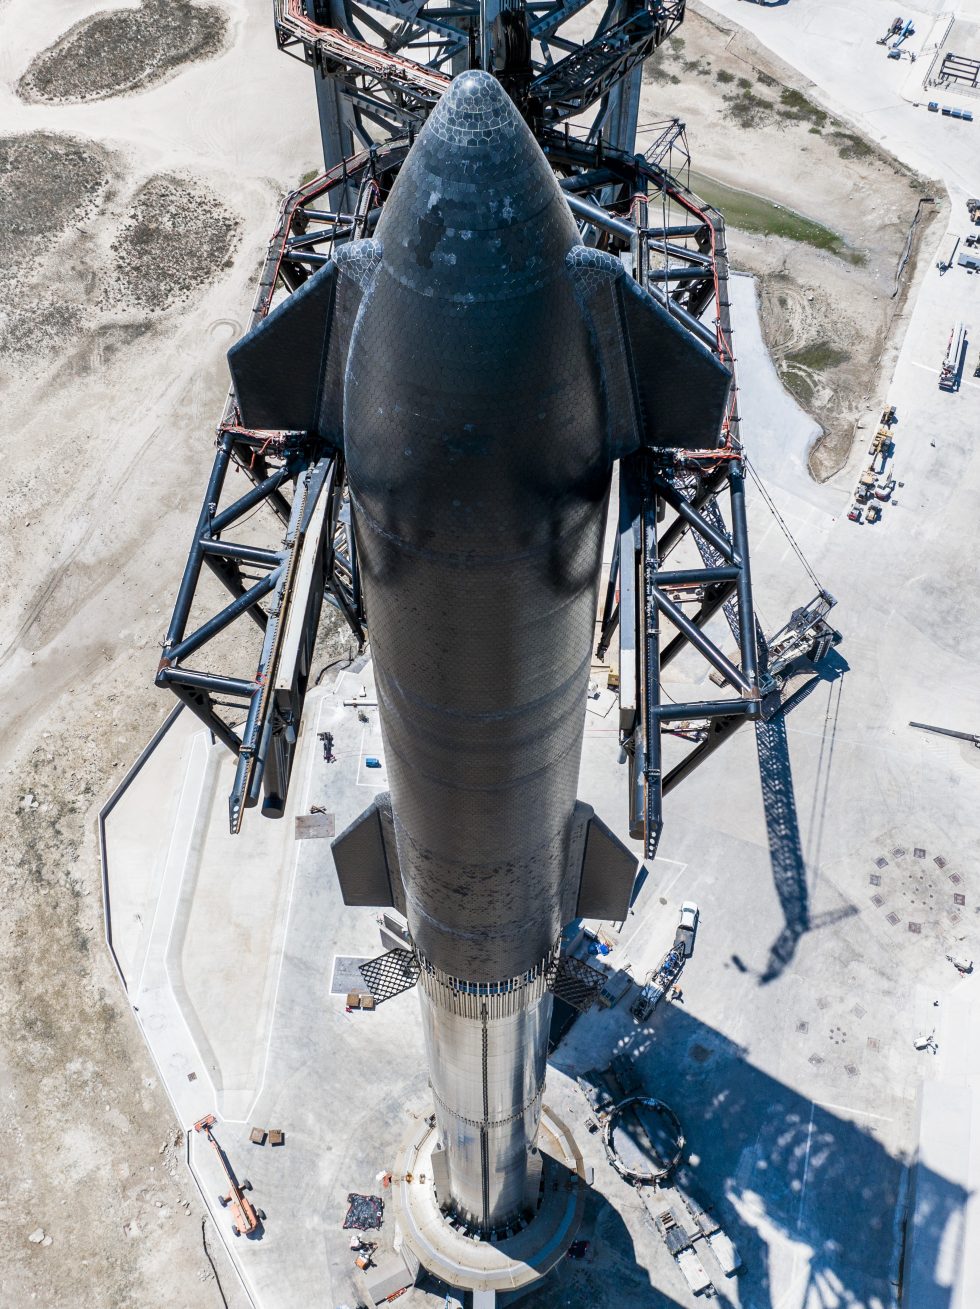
859	1113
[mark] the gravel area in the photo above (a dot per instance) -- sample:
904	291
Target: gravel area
176	235
124	50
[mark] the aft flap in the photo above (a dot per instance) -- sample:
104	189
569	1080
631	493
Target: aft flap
367	860
680	387
608	874
601	870
277	369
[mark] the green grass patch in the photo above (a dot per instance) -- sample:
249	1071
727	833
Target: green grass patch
850	146
795	106
723	75
798	385
818	356
308	177
754	213
748	109
744	84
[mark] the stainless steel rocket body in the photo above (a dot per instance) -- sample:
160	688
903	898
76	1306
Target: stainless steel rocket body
479	477
481	371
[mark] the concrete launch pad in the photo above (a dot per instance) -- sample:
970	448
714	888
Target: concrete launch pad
512	1264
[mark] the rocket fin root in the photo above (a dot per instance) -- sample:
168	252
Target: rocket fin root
664	387
367	860
602	870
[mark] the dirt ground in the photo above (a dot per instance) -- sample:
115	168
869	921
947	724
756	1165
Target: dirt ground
828	307
130	229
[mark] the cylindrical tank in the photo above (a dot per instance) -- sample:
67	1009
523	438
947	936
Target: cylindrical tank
478	502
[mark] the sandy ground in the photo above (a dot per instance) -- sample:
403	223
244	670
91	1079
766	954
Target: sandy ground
130	224
752	124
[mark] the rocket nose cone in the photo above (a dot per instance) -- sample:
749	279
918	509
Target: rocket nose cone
476	211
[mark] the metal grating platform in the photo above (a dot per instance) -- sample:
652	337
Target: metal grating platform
390	974
576	982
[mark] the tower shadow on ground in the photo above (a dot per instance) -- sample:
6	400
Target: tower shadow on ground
789	865
784	1172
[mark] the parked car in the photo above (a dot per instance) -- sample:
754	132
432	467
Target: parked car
874	513
855	514
884	489
687	928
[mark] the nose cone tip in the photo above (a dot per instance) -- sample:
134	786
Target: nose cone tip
475	169
475	109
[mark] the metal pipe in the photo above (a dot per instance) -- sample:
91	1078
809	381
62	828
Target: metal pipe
226	616
261	491
589	181
306	239
316	260
653	746
641	252
230	577
699	522
709	487
610	609
598	217
208	682
682	252
719	731
686	229
699	576
746	612
701	642
700	330
201	706
707	611
704	709
947	731
248	554
676	274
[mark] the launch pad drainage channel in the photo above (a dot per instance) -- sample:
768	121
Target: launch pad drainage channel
467	1263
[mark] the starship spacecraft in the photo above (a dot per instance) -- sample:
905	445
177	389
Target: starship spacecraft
480	372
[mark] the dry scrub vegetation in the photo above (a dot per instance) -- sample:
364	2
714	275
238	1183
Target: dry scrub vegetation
821	215
124	50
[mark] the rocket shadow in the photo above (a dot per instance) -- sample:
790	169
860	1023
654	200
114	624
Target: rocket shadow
781	1170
